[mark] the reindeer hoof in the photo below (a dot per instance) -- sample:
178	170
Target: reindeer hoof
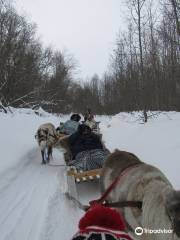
43	162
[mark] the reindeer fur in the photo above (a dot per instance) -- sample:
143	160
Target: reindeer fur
146	183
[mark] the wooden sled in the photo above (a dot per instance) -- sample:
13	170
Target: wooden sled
75	177
82	176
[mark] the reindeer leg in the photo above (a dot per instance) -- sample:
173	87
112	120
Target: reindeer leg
43	160
49	153
67	157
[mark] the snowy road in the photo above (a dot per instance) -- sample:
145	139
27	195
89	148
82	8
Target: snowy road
25	194
33	204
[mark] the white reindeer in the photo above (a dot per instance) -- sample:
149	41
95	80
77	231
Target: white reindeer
142	182
46	137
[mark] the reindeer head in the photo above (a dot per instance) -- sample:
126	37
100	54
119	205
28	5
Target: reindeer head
173	209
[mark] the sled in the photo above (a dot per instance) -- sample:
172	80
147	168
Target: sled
84	176
75	177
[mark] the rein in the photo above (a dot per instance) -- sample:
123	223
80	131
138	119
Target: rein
120	204
101	200
56	165
112	186
137	204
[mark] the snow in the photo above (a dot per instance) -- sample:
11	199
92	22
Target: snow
33	204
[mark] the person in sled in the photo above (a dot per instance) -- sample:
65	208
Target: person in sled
89	119
87	150
70	126
102	223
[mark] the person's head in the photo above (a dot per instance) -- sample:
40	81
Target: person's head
102	216
75	117
84	129
100	223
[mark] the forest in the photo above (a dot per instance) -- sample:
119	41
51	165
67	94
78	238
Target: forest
143	72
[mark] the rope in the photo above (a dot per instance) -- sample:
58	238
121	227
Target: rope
120	204
137	204
112	186
101	200
56	165
77	202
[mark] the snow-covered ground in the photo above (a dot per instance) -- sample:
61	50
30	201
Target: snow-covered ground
32	201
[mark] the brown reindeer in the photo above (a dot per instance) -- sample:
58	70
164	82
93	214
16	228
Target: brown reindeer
63	144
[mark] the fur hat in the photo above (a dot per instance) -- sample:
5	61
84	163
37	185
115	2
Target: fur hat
75	117
102	222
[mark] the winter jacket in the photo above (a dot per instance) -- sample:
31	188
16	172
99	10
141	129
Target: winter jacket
83	142
69	127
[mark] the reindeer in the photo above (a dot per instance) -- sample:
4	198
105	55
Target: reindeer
142	182
46	137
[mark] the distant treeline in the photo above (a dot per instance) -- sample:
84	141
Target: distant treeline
144	72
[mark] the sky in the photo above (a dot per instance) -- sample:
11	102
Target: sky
87	29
